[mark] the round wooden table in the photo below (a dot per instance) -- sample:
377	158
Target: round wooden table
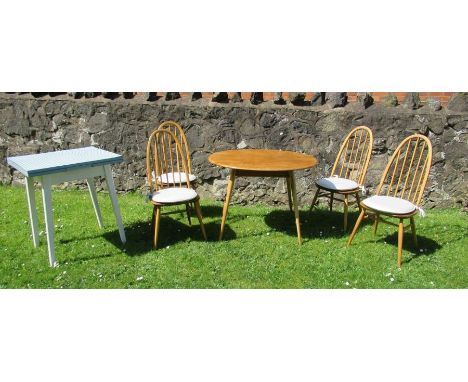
266	163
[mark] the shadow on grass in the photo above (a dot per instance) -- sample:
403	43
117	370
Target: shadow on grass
212	211
207	212
426	246
318	224
140	235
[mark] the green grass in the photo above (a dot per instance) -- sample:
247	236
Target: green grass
260	249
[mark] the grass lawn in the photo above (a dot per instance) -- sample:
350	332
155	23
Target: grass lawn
260	248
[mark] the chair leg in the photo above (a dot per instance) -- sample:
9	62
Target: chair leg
187	208
400	241
376	223
413	230
356	226
200	218
331	201
157	213
153	219
358	201
345	217
314	200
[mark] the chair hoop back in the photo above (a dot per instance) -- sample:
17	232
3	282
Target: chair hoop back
177	130
354	155
407	171
164	156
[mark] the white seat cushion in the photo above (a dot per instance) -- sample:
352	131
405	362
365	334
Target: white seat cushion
174	195
174	177
338	184
389	204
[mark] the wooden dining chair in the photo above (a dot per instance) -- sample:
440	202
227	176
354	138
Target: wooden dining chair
164	155
401	188
177	130
348	171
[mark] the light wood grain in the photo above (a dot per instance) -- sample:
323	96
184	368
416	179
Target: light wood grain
262	160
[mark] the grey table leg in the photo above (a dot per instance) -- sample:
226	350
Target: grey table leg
115	202
32	210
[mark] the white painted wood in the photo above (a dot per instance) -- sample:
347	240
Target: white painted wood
32	210
62	160
49	218
76	174
115	203
92	193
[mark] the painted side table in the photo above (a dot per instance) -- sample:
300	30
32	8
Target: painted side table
63	166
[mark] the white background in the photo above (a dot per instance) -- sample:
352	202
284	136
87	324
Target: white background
233	335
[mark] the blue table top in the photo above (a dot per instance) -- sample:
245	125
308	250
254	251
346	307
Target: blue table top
57	161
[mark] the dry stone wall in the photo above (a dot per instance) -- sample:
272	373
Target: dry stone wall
122	125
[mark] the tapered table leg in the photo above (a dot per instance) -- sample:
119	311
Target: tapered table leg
32	210
92	193
115	202
230	186
296	209
49	219
288	183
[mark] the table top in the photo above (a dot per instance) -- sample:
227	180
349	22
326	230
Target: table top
262	160
57	161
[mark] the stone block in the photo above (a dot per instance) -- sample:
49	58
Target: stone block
236	97
390	100
171	96
318	99
278	99
221	97
333	100
412	101
458	102
297	99
433	104
196	96
256	98
365	100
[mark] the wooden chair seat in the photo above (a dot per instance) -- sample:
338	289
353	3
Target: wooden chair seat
173	195
389	205
335	183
